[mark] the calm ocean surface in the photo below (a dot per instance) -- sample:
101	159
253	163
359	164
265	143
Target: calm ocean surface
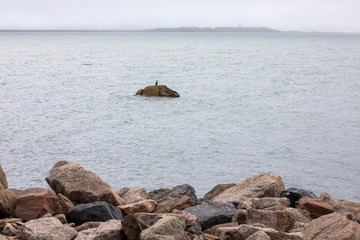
250	103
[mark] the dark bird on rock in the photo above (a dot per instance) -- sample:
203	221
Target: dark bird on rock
156	83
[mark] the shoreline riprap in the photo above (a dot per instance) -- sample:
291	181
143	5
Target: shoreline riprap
80	205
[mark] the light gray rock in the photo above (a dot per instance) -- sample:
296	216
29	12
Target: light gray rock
131	195
47	229
278	220
264	185
80	185
107	230
166	228
266	202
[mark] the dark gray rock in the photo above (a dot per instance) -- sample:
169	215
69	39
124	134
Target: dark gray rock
176	192
212	213
93	212
294	194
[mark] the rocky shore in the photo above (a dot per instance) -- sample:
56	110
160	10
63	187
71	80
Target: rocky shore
80	205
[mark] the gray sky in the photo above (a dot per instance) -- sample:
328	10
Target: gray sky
303	15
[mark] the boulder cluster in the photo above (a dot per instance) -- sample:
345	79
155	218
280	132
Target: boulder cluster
80	205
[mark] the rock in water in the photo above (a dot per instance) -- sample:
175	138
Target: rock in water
94	212
80	185
157	91
212	213
264	185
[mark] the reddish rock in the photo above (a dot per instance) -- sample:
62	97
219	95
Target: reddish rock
147	206
65	203
3	180
264	185
332	226
170	204
34	203
278	220
316	207
7	203
80	185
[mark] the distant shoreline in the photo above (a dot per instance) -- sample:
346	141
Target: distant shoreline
176	30
179	29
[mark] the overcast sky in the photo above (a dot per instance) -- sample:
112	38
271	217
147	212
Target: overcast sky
303	15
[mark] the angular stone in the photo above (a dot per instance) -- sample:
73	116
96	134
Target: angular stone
259	235
157	91
93	212
65	203
7	203
264	185
206	236
166	228
133	224
332	226
61	217
212	213
47	229
3	180
245	231
88	225
191	221
302	218
278	220
176	192
239	217
213	229
111	229
80	185
266	202
316	207
9	230
147	206
5	221
131	195
34	203
169	204
217	190
294	195
351	207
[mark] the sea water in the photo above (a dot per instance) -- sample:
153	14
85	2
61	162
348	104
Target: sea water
250	103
